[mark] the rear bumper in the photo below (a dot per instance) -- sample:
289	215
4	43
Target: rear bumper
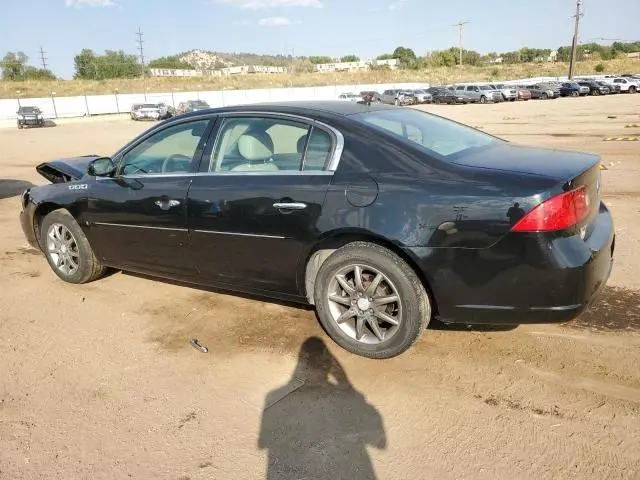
523	278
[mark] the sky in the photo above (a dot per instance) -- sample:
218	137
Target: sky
301	27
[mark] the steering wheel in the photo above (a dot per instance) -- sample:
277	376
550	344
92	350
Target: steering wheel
176	157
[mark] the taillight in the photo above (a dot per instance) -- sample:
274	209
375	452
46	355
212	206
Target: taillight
557	213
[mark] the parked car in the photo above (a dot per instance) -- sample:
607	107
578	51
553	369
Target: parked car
150	111
509	92
626	85
541	91
350	97
595	88
29	116
191	106
573	89
422	96
381	217
370	95
523	93
447	95
479	93
397	97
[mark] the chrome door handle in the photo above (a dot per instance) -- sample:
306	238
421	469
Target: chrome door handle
290	205
167	204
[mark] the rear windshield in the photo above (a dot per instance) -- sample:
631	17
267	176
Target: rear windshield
435	134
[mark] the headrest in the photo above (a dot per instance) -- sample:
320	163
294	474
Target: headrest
301	143
255	146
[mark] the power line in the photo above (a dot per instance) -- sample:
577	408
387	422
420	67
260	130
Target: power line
460	26
43	59
574	43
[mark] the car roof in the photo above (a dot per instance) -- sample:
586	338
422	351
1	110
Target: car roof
334	107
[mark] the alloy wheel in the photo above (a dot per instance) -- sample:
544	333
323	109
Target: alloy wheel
365	304
63	249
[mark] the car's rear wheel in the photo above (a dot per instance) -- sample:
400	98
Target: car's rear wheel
370	301
67	249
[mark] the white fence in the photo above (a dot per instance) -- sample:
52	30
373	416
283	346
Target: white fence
86	105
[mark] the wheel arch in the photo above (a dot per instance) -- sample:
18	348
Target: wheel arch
41	211
338	239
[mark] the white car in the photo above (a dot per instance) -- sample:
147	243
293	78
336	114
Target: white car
151	111
628	85
350	97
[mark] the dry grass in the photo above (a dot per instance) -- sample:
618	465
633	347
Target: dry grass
31	89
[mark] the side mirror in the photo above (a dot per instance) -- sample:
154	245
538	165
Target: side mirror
102	167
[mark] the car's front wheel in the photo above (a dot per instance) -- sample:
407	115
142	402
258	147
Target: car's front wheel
632	89
67	249
370	301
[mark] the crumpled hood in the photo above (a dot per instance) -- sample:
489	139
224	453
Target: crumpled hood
66	169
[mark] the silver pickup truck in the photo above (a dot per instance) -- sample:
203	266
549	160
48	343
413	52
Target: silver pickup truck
397	97
479	93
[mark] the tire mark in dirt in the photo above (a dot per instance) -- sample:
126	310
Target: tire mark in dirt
617	309
598	387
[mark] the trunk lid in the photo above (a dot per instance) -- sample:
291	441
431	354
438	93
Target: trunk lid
66	169
556	164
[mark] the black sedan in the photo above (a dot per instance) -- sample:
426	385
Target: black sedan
445	95
381	217
595	88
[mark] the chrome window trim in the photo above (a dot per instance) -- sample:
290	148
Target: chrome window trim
320	173
338	138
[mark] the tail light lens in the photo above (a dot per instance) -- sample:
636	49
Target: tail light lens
557	213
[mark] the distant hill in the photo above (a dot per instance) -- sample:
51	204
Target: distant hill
208	60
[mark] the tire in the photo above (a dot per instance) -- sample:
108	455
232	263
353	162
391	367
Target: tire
20	126
412	309
88	267
483	99
632	89
545	96
575	94
396	102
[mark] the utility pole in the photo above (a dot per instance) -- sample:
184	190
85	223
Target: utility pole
460	26
141	50
574	44
43	58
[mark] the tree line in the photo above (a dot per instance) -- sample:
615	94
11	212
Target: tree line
89	65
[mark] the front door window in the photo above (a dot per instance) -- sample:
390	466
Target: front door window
169	151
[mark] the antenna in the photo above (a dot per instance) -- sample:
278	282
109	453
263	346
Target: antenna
460	26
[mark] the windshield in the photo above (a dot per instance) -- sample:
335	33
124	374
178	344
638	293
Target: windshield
485	87
199	103
435	134
29	110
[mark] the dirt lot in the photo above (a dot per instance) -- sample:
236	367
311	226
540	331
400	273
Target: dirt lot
99	381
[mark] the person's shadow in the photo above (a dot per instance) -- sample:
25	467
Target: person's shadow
318	425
